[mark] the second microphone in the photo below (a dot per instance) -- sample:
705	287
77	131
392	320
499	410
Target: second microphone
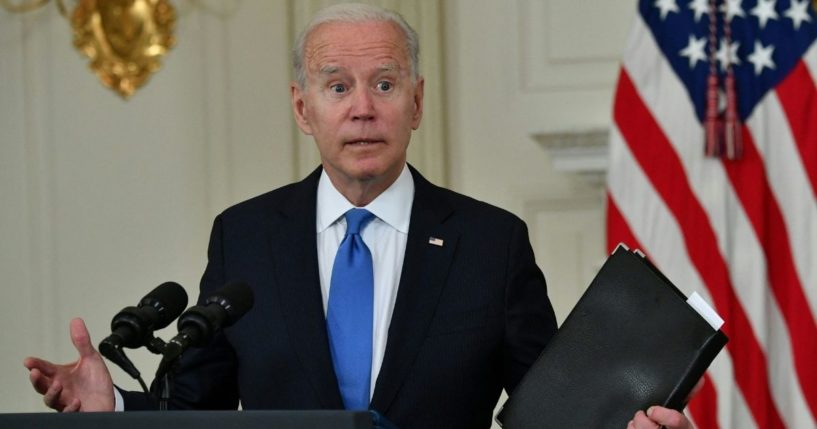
199	324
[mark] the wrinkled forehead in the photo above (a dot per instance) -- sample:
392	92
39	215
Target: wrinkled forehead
334	46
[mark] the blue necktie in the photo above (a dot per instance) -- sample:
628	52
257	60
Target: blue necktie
349	313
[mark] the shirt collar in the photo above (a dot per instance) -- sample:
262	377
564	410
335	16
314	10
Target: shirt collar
393	206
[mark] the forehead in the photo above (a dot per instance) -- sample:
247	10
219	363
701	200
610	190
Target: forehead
343	44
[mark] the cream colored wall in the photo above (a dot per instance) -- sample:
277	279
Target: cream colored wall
101	200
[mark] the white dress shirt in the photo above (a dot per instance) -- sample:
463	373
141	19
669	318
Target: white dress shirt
385	236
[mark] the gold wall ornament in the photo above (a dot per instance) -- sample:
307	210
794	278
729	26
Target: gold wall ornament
125	39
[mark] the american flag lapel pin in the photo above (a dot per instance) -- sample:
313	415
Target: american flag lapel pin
435	241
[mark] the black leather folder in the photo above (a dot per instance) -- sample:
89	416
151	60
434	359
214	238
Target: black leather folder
631	341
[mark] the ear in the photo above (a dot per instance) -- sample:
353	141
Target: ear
418	103
299	108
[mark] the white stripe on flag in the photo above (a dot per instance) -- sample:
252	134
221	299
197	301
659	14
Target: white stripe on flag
784	383
810	59
791	188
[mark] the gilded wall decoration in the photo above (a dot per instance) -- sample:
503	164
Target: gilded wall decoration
124	39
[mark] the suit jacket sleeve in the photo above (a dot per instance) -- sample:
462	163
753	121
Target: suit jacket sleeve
529	318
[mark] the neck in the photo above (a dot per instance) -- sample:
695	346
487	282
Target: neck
362	192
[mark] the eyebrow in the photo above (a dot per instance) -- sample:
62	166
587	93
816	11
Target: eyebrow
331	69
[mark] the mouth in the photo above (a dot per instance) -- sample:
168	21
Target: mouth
363	142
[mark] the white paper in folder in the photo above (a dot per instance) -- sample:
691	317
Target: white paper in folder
696	302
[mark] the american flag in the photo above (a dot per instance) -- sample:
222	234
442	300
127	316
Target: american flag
741	232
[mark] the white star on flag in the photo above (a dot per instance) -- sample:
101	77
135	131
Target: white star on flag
732	9
694	50
764	11
730	54
762	57
700	7
797	12
666	7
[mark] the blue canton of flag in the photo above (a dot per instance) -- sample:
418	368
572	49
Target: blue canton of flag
768	38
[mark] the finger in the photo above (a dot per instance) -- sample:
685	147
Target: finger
40	382
51	396
81	338
72	407
44	366
641	421
670	418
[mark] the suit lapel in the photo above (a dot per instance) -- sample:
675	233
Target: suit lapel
296	261
425	268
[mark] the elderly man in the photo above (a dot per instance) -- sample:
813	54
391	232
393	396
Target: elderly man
374	289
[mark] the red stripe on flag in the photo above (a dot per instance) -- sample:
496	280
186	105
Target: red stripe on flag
798	96
618	230
661	164
749	180
704	405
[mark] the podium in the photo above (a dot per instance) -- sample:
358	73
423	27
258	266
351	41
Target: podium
192	420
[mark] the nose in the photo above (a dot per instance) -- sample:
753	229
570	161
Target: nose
362	108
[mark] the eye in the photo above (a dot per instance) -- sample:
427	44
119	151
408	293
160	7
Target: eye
338	88
384	86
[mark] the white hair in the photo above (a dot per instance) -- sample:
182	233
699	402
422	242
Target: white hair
354	13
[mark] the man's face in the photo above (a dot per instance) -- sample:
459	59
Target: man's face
360	102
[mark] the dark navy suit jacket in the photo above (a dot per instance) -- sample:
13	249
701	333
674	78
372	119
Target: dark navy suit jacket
471	316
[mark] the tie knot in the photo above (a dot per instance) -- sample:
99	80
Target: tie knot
356	220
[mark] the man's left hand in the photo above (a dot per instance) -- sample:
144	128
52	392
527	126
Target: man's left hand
659	417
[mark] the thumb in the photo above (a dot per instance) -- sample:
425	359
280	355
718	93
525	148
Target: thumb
81	338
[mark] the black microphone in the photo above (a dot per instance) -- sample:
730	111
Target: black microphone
199	324
133	326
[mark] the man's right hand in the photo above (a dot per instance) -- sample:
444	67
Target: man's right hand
82	385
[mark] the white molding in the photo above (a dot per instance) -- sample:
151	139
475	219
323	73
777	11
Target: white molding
40	181
579	53
582	153
214	33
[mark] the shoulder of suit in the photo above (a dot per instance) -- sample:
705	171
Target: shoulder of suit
469	207
265	204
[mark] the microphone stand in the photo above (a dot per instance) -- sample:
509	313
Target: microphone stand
158	346
165	376
164	395
116	354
